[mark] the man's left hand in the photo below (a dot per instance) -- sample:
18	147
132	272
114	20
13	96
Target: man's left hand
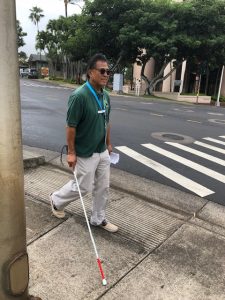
109	147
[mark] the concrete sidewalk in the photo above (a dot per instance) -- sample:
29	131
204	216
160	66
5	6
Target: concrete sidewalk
170	244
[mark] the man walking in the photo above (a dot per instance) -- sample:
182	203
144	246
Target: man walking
89	146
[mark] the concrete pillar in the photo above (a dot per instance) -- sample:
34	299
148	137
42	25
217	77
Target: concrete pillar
14	273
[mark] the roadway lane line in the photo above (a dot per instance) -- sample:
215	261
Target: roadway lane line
198	153
206	171
148	103
167	172
183	110
193	121
216	114
214	140
220	150
118	108
152	114
47	86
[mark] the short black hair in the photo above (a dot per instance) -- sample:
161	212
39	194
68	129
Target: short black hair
92	61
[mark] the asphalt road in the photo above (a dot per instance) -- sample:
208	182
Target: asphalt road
141	131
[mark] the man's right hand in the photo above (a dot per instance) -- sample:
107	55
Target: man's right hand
71	159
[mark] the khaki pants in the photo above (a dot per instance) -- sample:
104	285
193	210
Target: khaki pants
93	177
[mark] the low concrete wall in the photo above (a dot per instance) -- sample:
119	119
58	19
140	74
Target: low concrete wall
185	98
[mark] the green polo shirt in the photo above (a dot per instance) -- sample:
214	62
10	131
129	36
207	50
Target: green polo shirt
83	113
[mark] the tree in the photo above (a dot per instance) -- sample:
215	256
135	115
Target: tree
104	19
20	35
173	32
22	58
36	15
151	35
137	30
56	39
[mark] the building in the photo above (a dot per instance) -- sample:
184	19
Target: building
37	61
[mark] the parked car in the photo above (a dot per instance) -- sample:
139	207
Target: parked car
33	74
24	72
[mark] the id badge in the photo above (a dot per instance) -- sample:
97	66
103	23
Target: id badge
101	111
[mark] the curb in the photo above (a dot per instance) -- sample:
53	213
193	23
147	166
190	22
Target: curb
33	162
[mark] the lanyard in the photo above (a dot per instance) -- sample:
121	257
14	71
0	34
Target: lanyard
102	107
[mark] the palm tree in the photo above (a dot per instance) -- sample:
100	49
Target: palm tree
36	15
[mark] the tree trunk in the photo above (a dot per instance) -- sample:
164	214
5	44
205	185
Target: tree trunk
207	80
151	84
117	62
217	80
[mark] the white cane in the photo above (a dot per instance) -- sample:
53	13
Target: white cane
104	282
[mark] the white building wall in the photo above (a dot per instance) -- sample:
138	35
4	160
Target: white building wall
149	72
167	85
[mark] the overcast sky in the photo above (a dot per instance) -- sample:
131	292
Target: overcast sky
52	9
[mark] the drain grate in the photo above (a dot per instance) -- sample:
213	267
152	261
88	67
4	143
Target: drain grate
139	221
173	137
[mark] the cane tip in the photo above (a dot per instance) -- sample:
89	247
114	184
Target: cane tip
104	282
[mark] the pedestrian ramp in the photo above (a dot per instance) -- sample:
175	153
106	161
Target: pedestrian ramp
207	149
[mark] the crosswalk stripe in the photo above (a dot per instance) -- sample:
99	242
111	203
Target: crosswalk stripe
220	150
187	162
214	140
167	172
222	136
198	153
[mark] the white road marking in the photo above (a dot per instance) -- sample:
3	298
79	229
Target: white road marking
220	150
167	172
193	121
216	114
206	171
146	103
214	140
222	136
198	153
217	121
47	86
118	108
183	110
152	114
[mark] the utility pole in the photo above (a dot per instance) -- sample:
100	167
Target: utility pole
14	267
66	3
219	91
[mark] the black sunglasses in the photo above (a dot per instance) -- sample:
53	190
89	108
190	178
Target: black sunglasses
102	71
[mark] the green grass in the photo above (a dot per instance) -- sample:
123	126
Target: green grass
222	98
